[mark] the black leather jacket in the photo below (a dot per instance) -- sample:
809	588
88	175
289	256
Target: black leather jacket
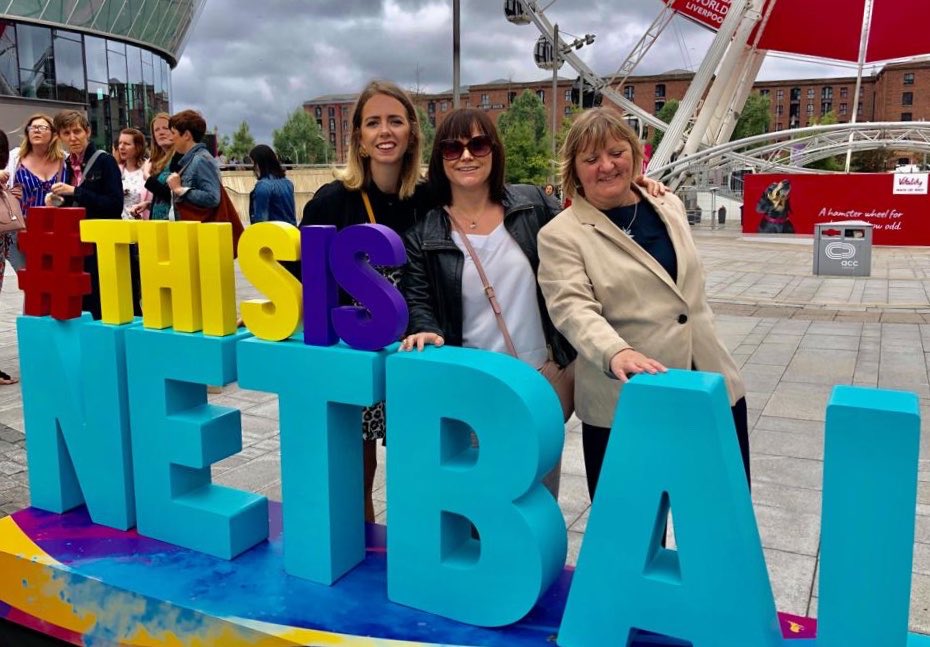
432	279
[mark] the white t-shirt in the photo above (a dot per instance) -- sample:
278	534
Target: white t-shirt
133	190
514	283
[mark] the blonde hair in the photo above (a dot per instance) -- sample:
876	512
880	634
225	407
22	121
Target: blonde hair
357	173
594	129
54	152
158	157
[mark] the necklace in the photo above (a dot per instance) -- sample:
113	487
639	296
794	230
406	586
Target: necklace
626	230
471	222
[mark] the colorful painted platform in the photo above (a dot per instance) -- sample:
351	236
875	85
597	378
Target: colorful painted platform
89	584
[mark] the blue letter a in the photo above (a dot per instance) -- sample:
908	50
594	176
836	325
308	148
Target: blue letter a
673	441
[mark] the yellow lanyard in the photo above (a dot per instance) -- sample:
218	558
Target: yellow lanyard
371	215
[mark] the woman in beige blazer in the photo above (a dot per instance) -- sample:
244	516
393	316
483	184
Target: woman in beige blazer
623	282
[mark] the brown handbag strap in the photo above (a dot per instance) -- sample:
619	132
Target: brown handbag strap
488	288
371	214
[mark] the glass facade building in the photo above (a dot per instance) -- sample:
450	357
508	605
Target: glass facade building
112	56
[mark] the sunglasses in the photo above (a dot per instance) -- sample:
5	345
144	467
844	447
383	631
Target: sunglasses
478	146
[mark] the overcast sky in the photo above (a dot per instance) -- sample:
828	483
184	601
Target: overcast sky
259	61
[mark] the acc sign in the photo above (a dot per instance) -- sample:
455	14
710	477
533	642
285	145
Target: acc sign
839	251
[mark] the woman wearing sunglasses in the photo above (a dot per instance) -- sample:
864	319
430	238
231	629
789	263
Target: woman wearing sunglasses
484	234
381	184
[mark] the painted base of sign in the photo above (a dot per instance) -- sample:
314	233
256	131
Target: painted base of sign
88	584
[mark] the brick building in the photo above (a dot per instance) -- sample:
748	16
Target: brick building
897	92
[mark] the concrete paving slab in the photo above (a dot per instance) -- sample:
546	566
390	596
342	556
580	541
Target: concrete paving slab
790	575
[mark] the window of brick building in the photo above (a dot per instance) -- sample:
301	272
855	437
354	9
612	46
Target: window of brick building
844	92
810	93
443	106
779	110
659	105
844	108
795	94
826	92
568	96
628	91
907	98
825	107
908	78
660	90
542	95
764	92
907	116
810	109
780	94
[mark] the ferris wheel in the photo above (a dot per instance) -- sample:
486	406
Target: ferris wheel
707	114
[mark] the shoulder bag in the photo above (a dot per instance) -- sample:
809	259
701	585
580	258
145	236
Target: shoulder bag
225	211
11	212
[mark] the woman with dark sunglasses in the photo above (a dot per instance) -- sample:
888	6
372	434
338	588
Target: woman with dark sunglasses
445	285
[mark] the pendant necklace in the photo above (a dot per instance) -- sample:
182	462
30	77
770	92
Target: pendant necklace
626	230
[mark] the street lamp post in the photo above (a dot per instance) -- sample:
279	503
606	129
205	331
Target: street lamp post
550	57
556	64
456	55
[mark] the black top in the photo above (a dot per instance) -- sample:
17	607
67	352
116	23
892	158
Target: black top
101	190
159	190
334	204
648	231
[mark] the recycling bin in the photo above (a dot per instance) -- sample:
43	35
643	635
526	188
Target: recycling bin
843	248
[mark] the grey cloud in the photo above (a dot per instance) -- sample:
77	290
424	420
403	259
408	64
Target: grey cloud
258	62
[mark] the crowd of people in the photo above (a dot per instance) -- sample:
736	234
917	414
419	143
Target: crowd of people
589	295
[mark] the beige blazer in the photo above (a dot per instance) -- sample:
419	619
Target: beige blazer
606	293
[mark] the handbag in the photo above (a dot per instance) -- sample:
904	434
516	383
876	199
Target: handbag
561	378
225	211
11	212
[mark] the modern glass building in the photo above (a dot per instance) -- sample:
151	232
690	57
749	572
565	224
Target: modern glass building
111	58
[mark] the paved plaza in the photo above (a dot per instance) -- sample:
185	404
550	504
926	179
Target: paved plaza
794	336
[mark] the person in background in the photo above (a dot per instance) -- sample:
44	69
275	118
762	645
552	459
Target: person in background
93	182
32	170
273	195
381	183
197	181
162	162
623	282
5	239
130	154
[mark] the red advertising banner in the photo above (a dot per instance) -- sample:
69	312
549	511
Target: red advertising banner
897	205
709	13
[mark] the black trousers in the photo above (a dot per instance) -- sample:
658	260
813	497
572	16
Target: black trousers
594	442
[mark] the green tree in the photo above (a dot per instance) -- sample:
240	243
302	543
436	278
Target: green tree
754	119
877	160
827	163
427	135
300	140
526	140
242	142
666	114
222	144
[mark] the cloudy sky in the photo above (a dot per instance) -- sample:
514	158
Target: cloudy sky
259	61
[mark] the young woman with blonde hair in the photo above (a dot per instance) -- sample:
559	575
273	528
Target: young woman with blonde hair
381	184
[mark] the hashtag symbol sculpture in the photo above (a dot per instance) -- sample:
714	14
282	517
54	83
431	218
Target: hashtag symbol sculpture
54	280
